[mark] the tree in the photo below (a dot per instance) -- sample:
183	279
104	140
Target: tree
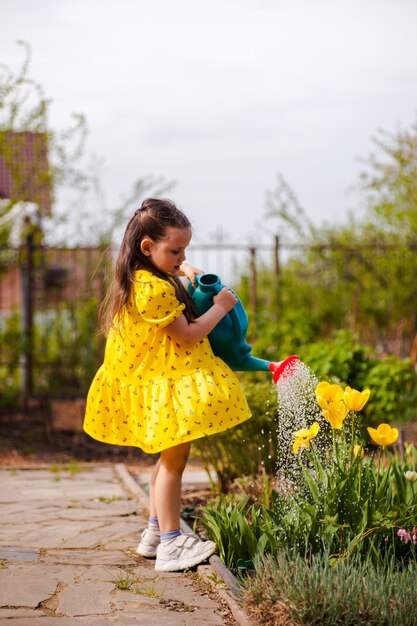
360	275
35	158
56	162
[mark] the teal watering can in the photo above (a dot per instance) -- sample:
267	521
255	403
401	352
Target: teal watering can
228	338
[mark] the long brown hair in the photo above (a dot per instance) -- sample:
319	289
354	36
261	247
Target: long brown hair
151	220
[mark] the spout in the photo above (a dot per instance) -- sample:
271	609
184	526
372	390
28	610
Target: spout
283	368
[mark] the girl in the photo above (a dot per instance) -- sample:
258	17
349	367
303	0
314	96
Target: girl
160	385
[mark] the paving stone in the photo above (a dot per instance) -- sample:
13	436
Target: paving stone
52	535
103	574
87	557
18	555
44	620
85	598
19	587
100	533
169	617
9	614
66	539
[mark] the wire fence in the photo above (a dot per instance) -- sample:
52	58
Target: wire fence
49	300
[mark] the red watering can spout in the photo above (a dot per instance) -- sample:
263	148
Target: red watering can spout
283	368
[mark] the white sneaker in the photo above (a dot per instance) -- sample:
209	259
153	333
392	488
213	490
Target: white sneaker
182	552
148	544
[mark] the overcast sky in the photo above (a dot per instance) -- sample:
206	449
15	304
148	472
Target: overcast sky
222	95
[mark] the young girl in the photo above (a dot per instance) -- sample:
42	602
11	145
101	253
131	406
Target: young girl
160	385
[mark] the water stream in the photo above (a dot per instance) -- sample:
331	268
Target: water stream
297	408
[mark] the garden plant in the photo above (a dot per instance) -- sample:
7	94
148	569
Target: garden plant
349	513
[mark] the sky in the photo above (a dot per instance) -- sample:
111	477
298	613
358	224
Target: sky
222	96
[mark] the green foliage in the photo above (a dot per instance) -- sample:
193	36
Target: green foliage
339	505
12	342
360	275
67	354
394	390
346	504
235	528
340	358
343	359
312	592
70	348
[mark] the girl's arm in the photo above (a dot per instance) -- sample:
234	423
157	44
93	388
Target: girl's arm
223	302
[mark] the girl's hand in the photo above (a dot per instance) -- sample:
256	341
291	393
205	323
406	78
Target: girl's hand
226	299
223	302
190	272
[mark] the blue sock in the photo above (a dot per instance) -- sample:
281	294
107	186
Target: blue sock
170	535
153	524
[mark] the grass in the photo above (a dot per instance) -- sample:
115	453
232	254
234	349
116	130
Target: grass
109	500
310	592
72	467
128	581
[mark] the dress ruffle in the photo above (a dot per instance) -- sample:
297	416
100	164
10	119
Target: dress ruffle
157	416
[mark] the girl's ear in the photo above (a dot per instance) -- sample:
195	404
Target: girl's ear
146	246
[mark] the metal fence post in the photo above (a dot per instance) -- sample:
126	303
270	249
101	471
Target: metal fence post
253	285
277	266
26	274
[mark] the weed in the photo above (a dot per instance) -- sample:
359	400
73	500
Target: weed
216	580
150	592
127	581
109	500
71	467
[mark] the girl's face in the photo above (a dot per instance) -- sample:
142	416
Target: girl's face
168	253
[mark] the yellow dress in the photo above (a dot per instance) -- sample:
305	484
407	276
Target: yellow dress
152	391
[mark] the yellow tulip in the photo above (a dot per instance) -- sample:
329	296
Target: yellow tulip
357	449
384	435
355	400
330	399
303	437
327	394
335	414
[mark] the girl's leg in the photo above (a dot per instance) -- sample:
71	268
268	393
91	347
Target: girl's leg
152	507
176	551
166	487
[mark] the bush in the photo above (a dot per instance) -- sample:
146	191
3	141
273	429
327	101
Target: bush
342	359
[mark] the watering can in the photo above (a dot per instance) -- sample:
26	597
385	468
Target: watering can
228	338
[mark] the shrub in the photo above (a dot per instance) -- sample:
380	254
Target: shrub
342	359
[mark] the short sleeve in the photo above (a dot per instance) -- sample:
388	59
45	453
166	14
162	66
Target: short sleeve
156	301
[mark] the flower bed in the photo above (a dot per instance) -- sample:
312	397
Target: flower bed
341	508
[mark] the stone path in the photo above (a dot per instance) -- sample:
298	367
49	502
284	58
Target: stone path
67	541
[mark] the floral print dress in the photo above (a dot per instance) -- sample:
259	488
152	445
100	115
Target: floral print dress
153	391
